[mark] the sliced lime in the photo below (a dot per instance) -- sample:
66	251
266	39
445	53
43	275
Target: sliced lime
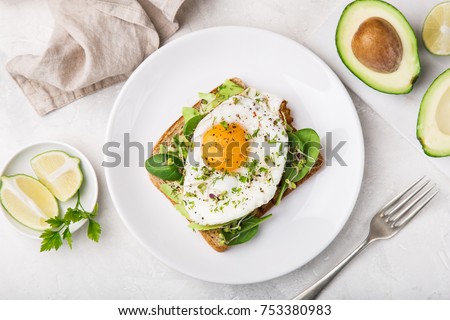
59	172
436	30
28	201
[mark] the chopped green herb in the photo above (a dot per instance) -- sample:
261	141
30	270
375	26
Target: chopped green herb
236	190
224	124
273	140
202	187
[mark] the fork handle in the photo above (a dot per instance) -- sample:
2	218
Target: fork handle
313	291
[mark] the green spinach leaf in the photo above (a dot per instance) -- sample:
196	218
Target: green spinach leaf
165	166
243	231
304	149
191	124
310	150
241	237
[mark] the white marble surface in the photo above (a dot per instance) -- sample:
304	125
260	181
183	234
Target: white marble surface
413	265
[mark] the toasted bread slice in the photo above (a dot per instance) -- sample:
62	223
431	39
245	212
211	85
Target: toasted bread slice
212	237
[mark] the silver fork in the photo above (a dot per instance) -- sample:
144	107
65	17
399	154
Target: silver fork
386	223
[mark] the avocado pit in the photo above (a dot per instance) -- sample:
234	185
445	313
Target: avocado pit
377	45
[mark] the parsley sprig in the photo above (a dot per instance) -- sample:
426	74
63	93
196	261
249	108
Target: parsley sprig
52	238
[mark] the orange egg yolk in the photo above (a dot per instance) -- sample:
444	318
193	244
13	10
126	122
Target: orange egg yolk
224	146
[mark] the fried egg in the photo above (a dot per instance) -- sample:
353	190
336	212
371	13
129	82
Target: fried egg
237	160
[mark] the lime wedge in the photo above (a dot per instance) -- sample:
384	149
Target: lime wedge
59	172
436	30
28	201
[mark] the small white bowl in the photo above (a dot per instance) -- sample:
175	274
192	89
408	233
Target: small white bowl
20	164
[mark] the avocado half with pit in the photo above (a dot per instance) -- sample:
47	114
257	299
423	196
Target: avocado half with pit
377	44
433	124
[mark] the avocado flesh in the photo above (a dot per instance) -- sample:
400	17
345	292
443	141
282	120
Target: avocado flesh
401	80
433	125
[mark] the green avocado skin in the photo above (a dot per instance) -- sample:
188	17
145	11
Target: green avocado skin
412	78
425	109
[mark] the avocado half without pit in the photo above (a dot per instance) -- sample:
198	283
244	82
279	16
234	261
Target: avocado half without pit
377	44
433	126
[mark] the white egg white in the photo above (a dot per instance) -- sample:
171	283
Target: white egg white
213	197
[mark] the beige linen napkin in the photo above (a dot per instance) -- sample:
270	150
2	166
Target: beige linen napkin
95	44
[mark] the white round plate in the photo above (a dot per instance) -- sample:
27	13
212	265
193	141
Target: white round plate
151	100
20	163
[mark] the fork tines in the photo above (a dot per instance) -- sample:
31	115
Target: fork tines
404	207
